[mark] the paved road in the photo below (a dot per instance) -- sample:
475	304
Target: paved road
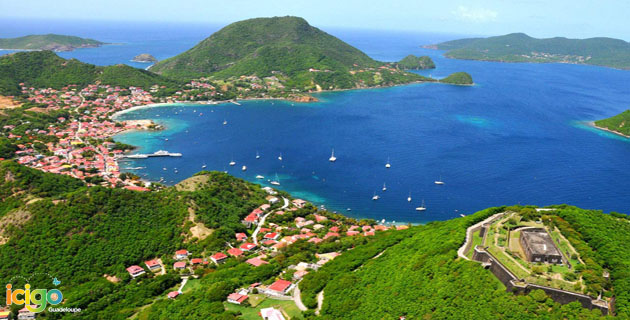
320	301
460	251
262	221
297	298
181	287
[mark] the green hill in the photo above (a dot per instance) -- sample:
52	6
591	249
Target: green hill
458	78
519	47
283	47
52	42
412	62
619	123
44	69
54	224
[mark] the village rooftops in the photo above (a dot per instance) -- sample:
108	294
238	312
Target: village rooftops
235	252
236	298
218	257
247	246
256	262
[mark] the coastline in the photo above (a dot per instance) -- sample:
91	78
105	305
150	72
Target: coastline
592	124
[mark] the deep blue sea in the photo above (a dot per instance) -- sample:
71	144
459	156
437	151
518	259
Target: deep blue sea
516	137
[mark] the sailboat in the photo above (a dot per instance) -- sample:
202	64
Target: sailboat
257	155
260	177
232	163
387	165
375	197
244	168
384	187
439	181
421	207
409	197
203	166
280	156
332	156
276	182
224	122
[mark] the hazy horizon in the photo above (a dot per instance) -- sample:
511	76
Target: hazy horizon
571	19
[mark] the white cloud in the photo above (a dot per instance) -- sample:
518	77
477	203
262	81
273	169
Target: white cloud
475	14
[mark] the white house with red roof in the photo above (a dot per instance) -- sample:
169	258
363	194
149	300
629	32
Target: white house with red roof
135	271
237	298
248	246
181	254
218	257
299	203
153	264
280	287
173	294
271	236
179	265
241	237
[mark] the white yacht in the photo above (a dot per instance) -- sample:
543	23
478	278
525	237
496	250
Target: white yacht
375	196
244	168
439	181
388	165
224	122
257	155
203	166
421	207
332	156
232	163
260	177
276	182
384	187
280	157
409	197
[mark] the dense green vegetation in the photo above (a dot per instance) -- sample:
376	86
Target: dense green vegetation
285	47
458	78
412	62
44	69
619	123
48	42
421	278
519	47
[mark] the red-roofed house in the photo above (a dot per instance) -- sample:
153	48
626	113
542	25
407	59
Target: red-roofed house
236	298
181	254
319	218
153	264
352	233
299	203
241	237
402	227
271	236
315	240
135	271
334	229
173	294
269	242
331	234
280	287
196	261
380	227
180	265
256	262
235	252
136	188
248	246
218	257
368	233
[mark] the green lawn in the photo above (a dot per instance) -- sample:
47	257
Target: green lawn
249	313
476	241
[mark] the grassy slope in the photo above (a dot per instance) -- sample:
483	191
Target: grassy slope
36	42
619	123
603	51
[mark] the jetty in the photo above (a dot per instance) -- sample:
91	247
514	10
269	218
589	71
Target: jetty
159	153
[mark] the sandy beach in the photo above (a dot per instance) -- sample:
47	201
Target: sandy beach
592	124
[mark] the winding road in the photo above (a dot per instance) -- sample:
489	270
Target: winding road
262	221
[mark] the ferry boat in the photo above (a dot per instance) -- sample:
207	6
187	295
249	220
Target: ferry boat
332	156
164	153
421	207
137	156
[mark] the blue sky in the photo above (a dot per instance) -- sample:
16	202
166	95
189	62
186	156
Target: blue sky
577	18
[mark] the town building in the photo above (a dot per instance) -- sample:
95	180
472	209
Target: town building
135	271
237	298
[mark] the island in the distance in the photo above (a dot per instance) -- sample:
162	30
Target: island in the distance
519	47
53	42
412	62
619	124
289	52
144	58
